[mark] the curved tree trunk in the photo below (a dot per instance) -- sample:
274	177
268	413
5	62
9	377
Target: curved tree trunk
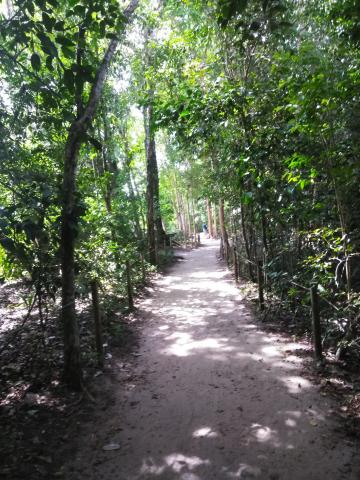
72	373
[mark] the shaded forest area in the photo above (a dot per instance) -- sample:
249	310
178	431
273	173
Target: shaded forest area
126	126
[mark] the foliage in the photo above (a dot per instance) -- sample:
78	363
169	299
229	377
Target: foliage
255	106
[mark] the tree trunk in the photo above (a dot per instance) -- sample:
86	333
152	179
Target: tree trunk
188	216
72	368
109	165
72	373
156	231
132	196
210	218
194	219
151	178
224	234
129	286
97	322
215	222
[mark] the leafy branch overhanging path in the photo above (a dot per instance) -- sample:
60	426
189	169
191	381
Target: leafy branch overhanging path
214	397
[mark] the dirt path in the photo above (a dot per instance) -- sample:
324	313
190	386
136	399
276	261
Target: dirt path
214	397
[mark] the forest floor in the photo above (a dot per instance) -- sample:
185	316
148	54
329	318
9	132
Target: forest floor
209	395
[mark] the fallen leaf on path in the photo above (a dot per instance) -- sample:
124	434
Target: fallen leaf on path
111	446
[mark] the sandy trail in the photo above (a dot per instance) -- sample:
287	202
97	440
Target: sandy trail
218	398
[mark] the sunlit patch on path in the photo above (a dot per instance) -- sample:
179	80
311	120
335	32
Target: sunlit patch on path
218	398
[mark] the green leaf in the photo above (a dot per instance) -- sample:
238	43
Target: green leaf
35	61
65	41
69	80
41	4
30	8
67	52
8	244
59	26
48	21
47	45
49	64
247	197
112	36
79	10
88	72
102	28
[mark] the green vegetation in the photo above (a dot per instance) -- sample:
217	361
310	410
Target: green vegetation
120	126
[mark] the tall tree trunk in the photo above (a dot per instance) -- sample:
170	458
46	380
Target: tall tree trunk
210	218
109	164
188	216
132	195
178	205
156	231
215	231
72	373
151	180
192	206
141	212
72	367
224	234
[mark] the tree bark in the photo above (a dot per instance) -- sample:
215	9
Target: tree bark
224	234
151	178
215	223
132	196
72	373
97	322
109	164
156	232
210	218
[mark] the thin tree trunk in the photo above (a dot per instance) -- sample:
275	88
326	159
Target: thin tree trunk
97	322
224	234
129	286
72	373
140	209
109	165
210	218
188	216
193	216
132	196
215	222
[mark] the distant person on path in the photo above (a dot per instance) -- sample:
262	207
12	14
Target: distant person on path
205	230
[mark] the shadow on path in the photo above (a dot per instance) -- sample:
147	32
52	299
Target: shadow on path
220	399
